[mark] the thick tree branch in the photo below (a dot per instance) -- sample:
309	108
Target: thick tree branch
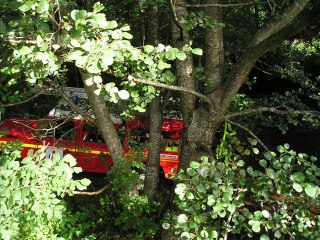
277	25
105	188
272	110
173	88
251	134
219	5
246	62
103	119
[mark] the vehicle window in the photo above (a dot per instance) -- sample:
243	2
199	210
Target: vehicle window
91	134
64	130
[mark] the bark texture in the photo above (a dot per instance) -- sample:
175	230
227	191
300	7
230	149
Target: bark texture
153	164
103	120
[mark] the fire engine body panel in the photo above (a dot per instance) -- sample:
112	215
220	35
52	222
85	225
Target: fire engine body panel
82	140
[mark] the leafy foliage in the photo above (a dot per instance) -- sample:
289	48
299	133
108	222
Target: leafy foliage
274	199
32	191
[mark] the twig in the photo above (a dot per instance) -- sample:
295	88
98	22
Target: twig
21	102
219	5
17	40
174	88
272	110
175	19
251	134
228	225
72	104
105	188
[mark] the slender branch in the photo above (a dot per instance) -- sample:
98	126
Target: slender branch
251	134
272	110
105	188
175	18
228	225
219	5
72	104
174	88
24	101
18	40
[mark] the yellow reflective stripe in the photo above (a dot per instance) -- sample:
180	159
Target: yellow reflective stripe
96	152
30	145
168	160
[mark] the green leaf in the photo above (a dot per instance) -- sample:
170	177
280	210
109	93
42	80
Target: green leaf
123	94
75	43
181	56
264	237
311	190
197	51
201	188
75	55
204	234
112	24
268	155
297	187
116	34
185	235
25	51
255	150
195	165
6	234
297	177
263	163
127	35
211	200
43	6
98	7
170	55
270	173
281	149
165	225
148	48
182	218
78	14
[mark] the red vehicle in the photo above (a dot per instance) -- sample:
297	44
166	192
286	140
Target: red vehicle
82	140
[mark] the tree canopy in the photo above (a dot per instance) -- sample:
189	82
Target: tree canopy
216	56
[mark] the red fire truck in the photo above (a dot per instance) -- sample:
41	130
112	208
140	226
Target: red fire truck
82	140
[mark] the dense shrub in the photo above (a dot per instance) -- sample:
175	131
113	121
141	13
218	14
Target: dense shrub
31	195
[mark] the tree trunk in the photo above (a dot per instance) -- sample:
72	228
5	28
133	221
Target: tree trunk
184	69
153	164
214	54
103	120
